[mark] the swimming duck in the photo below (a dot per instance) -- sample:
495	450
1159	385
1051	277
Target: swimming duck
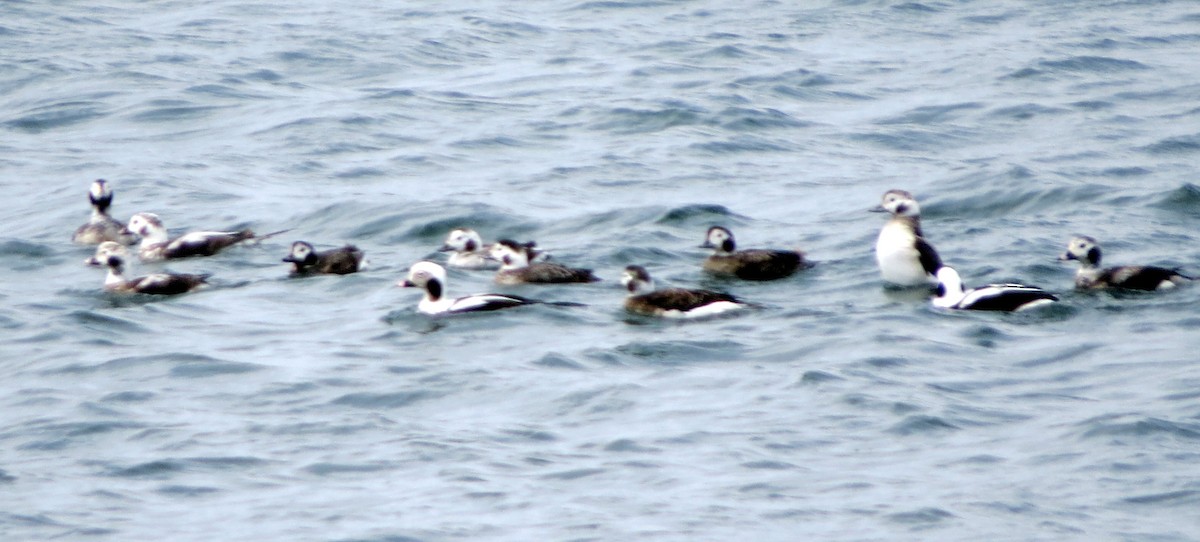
993	297
468	250
155	284
432	278
1086	251
752	264
338	261
101	227
156	245
672	302
515	268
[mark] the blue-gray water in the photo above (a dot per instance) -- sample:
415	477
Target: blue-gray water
612	132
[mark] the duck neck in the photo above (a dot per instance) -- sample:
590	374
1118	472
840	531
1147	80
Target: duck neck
638	287
115	278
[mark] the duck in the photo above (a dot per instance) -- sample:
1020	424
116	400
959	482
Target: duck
338	261
1086	251
644	300
515	267
751	264
993	297
468	250
157	246
155	284
101	227
431	277
905	258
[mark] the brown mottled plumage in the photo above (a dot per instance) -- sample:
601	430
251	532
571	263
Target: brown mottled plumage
516	269
672	302
338	261
155	284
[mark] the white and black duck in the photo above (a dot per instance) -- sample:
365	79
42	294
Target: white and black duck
950	294
101	227
431	278
515	266
468	251
905	258
643	299
750	264
157	245
1086	251
338	261
154	284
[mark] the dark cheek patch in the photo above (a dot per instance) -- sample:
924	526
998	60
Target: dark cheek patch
434	287
471	245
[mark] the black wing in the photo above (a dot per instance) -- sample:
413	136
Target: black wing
1004	298
681	299
557	273
488	302
204	243
930	261
1139	277
166	283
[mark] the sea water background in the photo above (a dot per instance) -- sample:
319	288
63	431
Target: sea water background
612	132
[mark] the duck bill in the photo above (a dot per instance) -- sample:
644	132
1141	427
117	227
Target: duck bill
1066	256
877	209
446	248
406	284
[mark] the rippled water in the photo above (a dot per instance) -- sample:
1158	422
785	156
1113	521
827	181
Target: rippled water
613	133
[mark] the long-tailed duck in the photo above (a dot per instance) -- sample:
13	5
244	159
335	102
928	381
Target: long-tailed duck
905	258
155	284
751	264
515	267
101	227
993	297
432	278
338	261
1134	277
468	250
672	302
156	245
